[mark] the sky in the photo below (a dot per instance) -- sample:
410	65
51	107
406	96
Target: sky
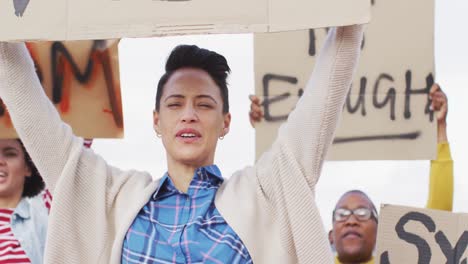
387	182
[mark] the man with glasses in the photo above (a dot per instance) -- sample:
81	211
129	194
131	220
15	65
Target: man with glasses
355	217
354	231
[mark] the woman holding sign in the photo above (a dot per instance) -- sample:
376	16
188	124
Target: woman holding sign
262	214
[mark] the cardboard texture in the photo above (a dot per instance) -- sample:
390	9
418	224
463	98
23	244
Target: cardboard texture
414	235
82	79
106	19
386	116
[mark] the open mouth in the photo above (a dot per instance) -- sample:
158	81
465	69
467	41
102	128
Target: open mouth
352	234
188	135
3	177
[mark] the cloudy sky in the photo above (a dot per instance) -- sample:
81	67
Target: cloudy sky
394	182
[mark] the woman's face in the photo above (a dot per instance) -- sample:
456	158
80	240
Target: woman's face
13	168
190	119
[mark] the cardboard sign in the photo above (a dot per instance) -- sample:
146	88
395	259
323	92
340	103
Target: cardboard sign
386	115
107	19
82	79
413	235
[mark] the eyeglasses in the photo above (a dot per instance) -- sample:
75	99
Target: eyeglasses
361	214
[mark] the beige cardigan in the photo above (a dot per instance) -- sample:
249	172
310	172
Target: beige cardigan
270	205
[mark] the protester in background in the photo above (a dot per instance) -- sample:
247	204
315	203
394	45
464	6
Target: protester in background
262	214
24	206
23	212
354	232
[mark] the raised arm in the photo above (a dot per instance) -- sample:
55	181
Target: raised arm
306	136
441	175
48	140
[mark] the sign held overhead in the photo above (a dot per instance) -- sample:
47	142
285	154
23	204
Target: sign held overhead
108	19
386	115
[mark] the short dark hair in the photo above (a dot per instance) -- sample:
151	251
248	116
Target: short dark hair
34	184
373	208
191	56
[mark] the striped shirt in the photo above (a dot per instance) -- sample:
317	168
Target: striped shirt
10	248
177	227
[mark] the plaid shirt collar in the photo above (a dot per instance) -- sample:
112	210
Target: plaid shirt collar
210	175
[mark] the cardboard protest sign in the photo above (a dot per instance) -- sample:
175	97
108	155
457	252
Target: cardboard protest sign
386	115
82	79
106	19
413	235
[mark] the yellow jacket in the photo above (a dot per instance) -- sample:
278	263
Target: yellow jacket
441	180
440	183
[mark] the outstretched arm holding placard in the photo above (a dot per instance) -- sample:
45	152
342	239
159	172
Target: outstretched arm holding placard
441	176
85	188
289	171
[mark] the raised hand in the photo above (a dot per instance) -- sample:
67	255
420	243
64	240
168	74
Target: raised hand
256	113
440	106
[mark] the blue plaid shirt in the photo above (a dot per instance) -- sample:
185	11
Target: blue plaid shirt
177	227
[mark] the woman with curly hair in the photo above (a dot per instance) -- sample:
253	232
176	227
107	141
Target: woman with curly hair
23	212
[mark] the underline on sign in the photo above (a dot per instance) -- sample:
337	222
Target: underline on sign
405	136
